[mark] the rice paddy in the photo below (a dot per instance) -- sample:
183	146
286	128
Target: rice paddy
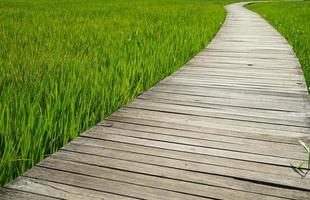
65	65
292	20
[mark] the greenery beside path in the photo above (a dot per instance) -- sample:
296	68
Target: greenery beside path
65	65
292	20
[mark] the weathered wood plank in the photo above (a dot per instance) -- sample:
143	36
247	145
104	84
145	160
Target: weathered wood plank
293	181
224	145
179	176
181	155
200	150
12	194
255	136
204	136
251	126
230	99
88	181
60	191
166	106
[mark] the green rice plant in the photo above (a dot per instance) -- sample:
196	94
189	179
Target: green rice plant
65	65
292	20
307	149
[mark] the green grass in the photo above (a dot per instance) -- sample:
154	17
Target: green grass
292	20
65	65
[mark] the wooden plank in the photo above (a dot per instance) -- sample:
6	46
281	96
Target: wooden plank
295	154
246	126
201	96
226	94
60	191
270	89
135	174
209	76
204	136
262	70
12	194
200	150
249	54
261	136
238	188
225	109
239	89
234	80
181	155
103	184
168	106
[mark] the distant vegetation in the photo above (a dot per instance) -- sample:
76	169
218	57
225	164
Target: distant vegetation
292	20
67	64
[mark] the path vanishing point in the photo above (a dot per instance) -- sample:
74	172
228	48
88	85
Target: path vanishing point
224	126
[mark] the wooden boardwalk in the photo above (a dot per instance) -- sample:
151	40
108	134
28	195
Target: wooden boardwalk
225	126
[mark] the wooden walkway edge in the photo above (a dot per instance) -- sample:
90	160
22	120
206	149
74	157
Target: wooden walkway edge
224	126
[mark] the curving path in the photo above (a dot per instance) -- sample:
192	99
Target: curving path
225	126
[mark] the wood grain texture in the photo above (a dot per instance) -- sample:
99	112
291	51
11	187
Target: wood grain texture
224	126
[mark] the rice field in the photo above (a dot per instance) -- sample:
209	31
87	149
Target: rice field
65	65
292	20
